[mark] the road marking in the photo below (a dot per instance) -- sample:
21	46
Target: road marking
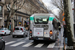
27	45
51	45
20	39
39	45
16	44
9	42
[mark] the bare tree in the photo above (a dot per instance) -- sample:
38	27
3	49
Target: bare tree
13	6
59	4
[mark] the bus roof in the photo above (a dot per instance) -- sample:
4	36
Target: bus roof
45	14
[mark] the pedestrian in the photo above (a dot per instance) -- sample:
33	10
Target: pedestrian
28	27
2	26
59	26
65	34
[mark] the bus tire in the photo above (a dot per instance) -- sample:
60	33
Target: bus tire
35	41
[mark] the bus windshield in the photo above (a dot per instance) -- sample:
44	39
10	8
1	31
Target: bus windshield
41	19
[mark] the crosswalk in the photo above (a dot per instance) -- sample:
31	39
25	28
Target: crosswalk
9	42
51	45
29	44
39	45
17	44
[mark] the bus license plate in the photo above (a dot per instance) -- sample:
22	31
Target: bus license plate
40	38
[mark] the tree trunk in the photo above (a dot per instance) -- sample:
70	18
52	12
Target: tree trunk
67	21
8	18
12	23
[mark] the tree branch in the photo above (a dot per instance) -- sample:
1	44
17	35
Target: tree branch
55	3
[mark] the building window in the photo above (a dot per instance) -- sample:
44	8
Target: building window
20	18
1	11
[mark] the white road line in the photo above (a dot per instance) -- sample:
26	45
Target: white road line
51	45
27	45
9	42
39	45
16	44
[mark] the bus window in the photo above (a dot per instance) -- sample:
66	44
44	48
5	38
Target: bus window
41	19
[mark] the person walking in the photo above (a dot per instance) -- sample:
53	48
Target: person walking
59	26
2	26
65	35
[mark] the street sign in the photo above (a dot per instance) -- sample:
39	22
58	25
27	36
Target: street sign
20	23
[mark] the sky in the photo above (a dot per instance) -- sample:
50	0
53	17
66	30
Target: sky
51	7
46	2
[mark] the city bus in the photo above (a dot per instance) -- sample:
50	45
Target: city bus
43	27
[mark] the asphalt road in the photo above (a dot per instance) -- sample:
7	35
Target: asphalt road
20	43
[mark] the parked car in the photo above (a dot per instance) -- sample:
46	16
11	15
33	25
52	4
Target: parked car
4	31
2	43
19	31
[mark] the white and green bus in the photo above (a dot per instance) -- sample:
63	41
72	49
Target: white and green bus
43	27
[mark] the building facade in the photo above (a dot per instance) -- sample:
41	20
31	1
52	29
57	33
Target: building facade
20	16
2	12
